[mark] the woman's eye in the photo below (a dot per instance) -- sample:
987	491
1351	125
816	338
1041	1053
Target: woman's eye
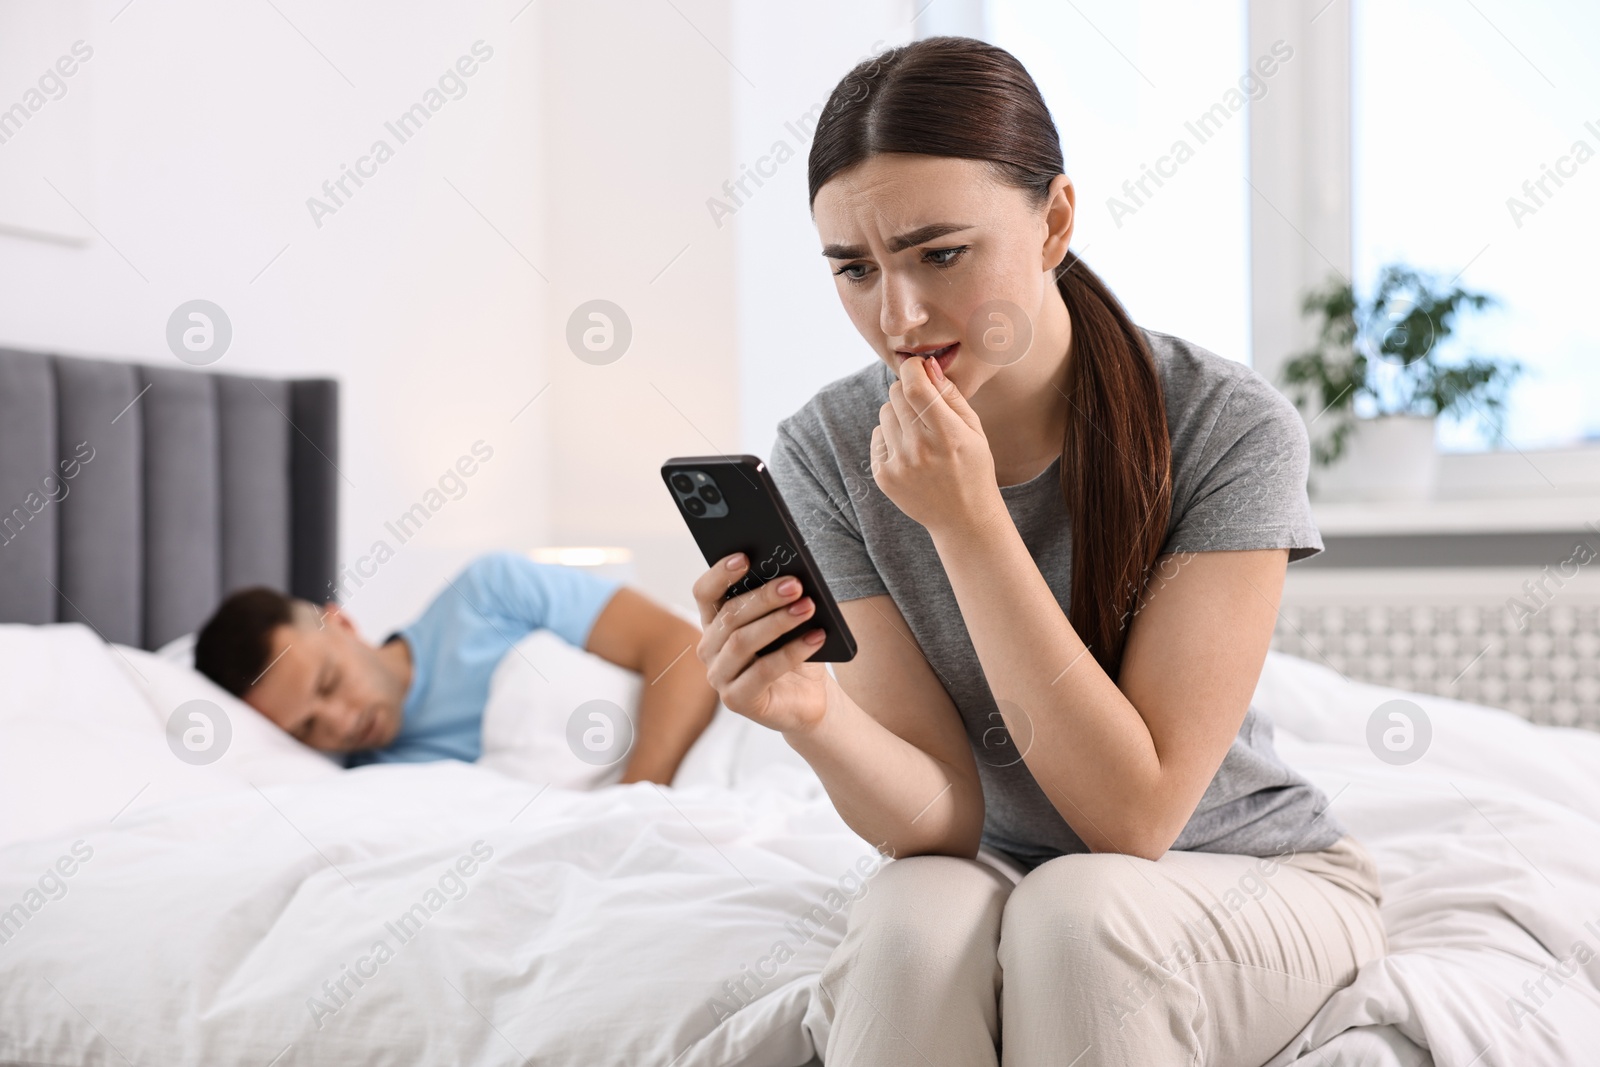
954	254
939	257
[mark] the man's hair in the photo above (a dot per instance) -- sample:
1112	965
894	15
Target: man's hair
233	646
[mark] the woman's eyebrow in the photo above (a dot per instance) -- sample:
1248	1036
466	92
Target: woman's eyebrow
898	244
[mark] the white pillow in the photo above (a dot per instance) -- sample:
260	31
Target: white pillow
534	696
257	749
540	687
76	739
179	651
83	737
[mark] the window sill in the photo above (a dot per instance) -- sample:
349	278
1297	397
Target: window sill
1554	491
1488	515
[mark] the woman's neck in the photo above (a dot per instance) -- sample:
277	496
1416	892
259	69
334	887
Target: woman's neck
1024	406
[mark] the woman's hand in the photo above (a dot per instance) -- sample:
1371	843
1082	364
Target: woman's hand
929	452
779	690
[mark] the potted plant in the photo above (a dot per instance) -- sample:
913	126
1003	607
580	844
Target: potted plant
1378	380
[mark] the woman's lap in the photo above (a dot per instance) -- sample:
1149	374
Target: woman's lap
1193	958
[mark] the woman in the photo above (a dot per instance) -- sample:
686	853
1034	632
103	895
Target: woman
1060	540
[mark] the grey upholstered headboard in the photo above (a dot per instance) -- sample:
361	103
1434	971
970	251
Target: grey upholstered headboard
133	498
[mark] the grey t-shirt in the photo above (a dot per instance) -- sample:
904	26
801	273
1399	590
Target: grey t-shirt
1239	464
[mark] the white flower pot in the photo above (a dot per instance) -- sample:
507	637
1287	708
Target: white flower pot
1387	458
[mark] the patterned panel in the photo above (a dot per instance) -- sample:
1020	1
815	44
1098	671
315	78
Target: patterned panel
100	536
256	491
133	492
31	485
182	502
1545	668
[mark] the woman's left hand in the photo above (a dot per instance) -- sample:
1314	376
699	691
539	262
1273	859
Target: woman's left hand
929	452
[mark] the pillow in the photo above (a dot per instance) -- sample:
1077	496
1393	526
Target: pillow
546	691
257	749
178	651
77	741
83	735
543	701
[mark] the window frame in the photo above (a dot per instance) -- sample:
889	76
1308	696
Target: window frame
1301	228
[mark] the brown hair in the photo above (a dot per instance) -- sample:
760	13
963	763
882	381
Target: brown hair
960	97
233	646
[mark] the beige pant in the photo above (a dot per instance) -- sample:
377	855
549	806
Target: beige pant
1101	958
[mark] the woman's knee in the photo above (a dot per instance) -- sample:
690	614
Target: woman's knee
1072	906
926	907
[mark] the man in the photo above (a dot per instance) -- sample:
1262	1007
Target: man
420	695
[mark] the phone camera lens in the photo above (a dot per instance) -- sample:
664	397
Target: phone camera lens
683	483
694	506
711	493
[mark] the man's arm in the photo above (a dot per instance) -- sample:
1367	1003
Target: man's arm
675	702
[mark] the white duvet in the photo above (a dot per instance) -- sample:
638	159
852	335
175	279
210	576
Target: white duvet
270	908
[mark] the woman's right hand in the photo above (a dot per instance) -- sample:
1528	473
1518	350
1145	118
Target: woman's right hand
779	690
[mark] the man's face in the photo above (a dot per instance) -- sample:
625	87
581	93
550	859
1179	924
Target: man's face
327	687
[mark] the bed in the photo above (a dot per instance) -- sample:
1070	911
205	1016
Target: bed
270	908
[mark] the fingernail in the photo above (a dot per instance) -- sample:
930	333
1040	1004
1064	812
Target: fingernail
814	637
935	371
788	587
736	561
800	607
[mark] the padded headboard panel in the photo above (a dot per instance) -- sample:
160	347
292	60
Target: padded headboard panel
133	498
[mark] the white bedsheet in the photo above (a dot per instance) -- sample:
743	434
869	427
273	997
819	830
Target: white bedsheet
614	926
1489	852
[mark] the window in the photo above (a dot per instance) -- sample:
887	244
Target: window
1166	226
1476	150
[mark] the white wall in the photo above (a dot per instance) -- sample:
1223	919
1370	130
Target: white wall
794	335
582	149
636	137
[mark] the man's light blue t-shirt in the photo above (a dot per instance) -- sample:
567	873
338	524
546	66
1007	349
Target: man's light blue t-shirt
463	635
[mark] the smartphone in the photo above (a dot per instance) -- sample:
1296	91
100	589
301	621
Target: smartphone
732	505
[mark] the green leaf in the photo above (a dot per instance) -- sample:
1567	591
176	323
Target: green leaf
1385	354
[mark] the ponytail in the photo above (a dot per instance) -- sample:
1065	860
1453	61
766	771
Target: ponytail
1116	463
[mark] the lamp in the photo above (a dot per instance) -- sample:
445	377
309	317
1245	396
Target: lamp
609	561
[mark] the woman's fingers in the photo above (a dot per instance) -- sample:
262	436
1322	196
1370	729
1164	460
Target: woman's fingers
917	397
738	652
766	670
751	638
708	589
741	610
735	628
747	608
908	414
889	423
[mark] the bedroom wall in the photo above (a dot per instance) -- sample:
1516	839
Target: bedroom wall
209	128
794	336
578	163
635	133
571	164
672	198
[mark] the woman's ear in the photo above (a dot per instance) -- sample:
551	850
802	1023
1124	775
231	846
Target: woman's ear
1060	217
